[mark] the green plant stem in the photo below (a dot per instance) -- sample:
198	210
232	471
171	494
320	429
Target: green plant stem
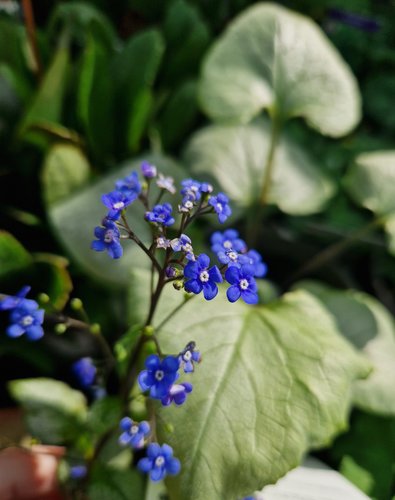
269	165
334	250
31	34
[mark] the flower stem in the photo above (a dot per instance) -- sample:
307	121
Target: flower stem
31	34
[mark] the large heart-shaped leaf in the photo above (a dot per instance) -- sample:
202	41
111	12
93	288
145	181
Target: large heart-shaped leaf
275	380
13	256
273	58
236	157
371	328
75	218
371	183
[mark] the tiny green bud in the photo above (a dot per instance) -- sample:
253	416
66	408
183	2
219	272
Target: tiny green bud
95	328
60	328
43	298
178	285
149	330
169	427
76	304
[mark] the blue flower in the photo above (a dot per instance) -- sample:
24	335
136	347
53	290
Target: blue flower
11	301
183	244
159	462
188	356
161	214
220	203
159	375
191	190
26	318
177	394
162	242
85	371
166	183
200	277
117	201
243	284
228	240
78	471
232	258
108	239
149	171
255	259
133	433
129	184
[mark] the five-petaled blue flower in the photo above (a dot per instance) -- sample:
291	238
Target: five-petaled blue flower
220	203
85	371
159	462
25	316
133	433
161	214
149	171
227	240
177	394
191	190
116	201
188	357
108	239
255	259
130	184
159	375
243	284
201	277
183	244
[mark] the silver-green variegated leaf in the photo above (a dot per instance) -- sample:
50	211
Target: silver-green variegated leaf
371	183
235	155
273	58
274	381
367	324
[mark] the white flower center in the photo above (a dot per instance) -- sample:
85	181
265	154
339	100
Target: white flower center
188	204
232	256
219	207
243	284
159	374
109	236
119	205
27	320
187	356
204	276
134	429
227	244
160	461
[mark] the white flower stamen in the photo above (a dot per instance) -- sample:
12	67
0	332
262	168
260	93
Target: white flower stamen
204	276
243	284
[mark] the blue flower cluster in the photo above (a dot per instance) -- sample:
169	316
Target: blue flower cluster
25	316
240	267
85	371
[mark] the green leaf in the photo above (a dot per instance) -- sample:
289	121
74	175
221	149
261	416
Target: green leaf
134	73
371	328
95	96
356	474
75	218
273	58
124	345
370	443
236	155
274	381
55	413
65	169
13	256
370	182
47	103
104	414
109	483
182	105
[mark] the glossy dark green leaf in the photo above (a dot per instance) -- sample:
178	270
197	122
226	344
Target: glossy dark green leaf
13	256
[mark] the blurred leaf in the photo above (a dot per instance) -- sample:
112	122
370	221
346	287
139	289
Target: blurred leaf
52	274
81	18
65	170
370	328
109	483
370	443
95	96
54	412
124	345
12	41
378	98
46	106
13	256
273	58
178	115
235	156
85	210
371	183
104	414
356	474
183	22
134	73
283	362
